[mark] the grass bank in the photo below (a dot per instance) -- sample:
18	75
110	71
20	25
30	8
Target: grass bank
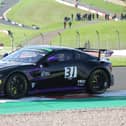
102	34
46	14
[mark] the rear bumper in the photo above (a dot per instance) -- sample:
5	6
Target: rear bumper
112	80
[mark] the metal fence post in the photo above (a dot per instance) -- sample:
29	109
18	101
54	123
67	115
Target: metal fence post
10	33
98	37
42	36
78	38
118	37
60	38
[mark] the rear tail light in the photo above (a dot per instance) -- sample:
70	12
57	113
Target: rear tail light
110	67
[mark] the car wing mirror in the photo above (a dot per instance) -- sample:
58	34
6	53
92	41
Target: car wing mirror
5	54
52	59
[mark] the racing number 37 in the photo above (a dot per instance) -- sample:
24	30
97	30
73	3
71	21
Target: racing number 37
71	72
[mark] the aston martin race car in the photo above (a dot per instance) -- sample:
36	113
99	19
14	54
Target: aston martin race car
40	69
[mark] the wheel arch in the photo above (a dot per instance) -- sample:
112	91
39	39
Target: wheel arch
99	88
16	72
100	68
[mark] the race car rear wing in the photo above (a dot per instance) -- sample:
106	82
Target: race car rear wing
97	52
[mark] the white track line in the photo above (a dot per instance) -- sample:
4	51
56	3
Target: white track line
113	93
26	99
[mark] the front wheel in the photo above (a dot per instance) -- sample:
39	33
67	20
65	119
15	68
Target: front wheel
98	81
16	86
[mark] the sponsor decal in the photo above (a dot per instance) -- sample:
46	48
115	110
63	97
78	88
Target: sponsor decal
81	83
45	74
0	82
33	84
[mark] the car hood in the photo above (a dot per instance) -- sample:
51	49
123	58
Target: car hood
12	64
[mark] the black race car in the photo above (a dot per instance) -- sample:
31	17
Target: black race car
43	69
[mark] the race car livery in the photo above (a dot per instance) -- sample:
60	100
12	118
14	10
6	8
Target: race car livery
44	68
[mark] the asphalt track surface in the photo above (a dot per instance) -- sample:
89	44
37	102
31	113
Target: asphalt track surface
119	78
4	7
88	6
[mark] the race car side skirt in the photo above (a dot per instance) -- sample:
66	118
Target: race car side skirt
55	90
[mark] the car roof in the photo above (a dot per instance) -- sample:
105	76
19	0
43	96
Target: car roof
48	48
52	48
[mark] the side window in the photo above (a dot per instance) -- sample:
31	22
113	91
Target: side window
77	56
80	56
61	56
68	56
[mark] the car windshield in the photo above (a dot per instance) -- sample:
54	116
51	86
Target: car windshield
25	55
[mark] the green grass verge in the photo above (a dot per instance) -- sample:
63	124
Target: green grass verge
118	61
104	5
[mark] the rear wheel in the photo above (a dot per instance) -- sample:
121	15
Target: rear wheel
98	81
16	86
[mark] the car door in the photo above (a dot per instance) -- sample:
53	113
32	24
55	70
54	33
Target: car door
83	66
59	71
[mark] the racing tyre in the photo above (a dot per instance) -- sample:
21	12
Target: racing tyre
16	86
98	82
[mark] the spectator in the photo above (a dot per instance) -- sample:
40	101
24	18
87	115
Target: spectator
78	16
106	16
114	16
70	23
97	16
76	3
72	16
65	22
89	17
93	16
122	16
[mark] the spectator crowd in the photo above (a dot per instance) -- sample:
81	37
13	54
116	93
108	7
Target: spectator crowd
90	17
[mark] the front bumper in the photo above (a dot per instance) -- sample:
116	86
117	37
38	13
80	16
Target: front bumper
2	92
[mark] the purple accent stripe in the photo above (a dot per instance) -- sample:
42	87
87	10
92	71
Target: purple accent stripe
34	69
39	79
2	94
54	89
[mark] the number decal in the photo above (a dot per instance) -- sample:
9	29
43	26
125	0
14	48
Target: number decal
70	72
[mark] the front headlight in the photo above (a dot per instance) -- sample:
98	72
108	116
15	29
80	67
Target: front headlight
0	82
1	75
